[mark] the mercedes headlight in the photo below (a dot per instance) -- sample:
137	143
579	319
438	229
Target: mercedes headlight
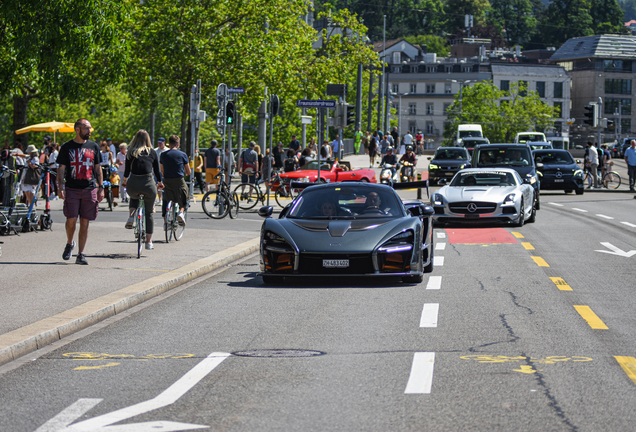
432	166
509	199
437	199
578	173
461	167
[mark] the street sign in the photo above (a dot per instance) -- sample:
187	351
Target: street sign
221	95
306	103
337	90
239	90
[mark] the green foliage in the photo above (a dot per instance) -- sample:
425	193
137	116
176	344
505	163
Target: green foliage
500	119
434	44
515	17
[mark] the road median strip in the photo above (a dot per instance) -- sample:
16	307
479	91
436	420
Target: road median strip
24	340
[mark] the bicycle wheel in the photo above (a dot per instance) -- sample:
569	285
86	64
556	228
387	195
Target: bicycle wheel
179	229
248	195
284	195
587	180
168	224
612	180
234	207
141	231
5	225
215	205
109	198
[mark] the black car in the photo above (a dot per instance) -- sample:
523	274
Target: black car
559	171
347	229
446	162
515	156
469	143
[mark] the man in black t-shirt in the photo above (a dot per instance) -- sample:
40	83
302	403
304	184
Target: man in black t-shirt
80	185
294	144
212	163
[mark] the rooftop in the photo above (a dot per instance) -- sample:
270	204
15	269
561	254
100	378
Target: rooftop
601	46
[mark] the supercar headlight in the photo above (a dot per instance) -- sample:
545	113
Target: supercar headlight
509	199
400	243
432	166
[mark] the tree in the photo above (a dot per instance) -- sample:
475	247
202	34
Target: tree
59	48
501	113
607	17
514	18
456	10
566	19
433	44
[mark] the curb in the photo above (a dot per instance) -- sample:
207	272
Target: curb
32	337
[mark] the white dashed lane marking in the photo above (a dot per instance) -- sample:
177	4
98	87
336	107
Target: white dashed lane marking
438	261
430	312
434	283
579	210
421	377
441	235
604	216
629	224
440	246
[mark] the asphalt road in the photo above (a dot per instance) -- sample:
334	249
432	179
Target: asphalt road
516	329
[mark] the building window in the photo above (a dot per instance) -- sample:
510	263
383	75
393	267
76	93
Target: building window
412	110
397	57
430	128
412	127
429	109
413	88
504	85
626	126
558	109
541	88
414	69
523	88
617	65
558	127
395	88
431	69
430	88
446	108
447	89
618	86
558	90
613	105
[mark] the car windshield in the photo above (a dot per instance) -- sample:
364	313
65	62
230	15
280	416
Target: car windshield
554	157
515	156
530	138
313	165
484	178
346	202
445	154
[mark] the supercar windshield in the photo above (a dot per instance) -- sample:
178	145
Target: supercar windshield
484	178
346	202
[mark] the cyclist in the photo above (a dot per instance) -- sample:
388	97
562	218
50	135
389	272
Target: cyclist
248	165
174	166
141	163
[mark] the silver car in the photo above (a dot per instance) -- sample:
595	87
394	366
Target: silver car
485	195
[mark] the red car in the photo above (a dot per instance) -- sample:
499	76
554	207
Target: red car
329	172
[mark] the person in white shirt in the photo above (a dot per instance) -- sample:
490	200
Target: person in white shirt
592	157
407	141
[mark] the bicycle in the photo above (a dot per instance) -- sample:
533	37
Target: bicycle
171	227
219	203
611	179
139	224
250	193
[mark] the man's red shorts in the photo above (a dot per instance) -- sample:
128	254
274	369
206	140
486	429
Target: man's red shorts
80	202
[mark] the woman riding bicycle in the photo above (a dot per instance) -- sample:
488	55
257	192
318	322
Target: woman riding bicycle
142	166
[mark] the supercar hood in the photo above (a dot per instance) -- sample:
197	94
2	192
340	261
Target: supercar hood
478	193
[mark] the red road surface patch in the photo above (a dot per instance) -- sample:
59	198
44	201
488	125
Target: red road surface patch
480	235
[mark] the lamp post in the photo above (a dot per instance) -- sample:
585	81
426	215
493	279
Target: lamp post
399	95
461	87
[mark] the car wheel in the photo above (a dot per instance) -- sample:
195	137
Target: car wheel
364	180
522	215
538	201
533	215
580	191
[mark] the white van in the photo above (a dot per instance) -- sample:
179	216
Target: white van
560	142
528	137
468	130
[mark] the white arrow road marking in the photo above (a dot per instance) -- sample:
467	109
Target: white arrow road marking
169	396
421	378
616	251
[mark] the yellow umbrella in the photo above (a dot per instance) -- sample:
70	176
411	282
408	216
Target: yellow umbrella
53	126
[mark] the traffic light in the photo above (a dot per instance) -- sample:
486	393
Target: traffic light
591	112
350	114
274	104
610	124
229	113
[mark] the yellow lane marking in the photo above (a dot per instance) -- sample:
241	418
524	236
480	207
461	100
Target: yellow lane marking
527	245
592	319
517	234
540	261
96	367
561	284
526	369
629	366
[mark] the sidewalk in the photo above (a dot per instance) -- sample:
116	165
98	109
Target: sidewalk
45	298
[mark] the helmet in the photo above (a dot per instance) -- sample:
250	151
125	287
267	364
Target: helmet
389	149
409	148
113	169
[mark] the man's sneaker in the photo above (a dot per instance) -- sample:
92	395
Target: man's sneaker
181	219
81	259
129	223
149	246
67	251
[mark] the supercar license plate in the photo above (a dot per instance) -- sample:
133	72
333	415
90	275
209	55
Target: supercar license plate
335	263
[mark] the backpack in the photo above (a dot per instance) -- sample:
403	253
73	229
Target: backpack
246	164
290	164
